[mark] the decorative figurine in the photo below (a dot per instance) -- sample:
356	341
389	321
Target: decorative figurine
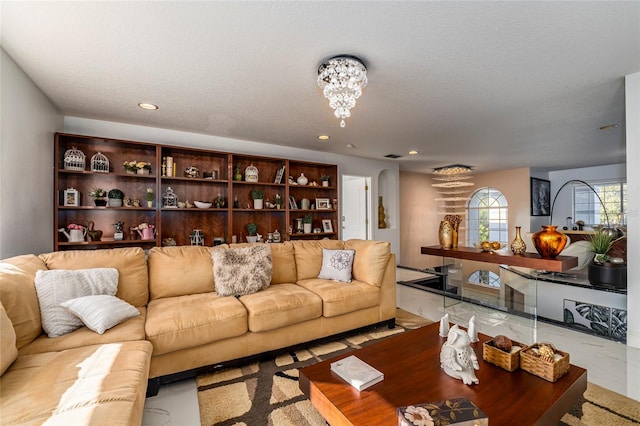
118	235
444	326
457	358
473	333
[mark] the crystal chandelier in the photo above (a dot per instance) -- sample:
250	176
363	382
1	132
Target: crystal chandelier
342	79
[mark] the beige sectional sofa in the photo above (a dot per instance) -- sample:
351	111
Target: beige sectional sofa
184	326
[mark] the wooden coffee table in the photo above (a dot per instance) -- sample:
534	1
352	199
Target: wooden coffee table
412	375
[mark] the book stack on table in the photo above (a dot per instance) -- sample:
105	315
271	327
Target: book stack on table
356	372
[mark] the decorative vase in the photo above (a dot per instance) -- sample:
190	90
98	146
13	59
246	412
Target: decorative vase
258	203
237	175
115	202
100	202
454	237
445	234
549	242
382	224
302	179
143	171
130	172
306	228
325	183
517	245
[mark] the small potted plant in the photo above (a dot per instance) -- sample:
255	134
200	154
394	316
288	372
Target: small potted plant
601	271
115	198
258	198
252	230
150	194
278	201
99	196
325	180
307	221
137	167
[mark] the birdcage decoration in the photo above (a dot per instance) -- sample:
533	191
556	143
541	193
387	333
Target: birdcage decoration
251	173
197	237
100	163
169	199
74	159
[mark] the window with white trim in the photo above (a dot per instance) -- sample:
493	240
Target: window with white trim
487	216
587	207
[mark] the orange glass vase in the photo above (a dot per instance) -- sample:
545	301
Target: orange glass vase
549	242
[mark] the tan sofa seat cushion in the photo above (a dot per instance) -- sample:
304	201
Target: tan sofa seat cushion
98	385
129	330
8	350
340	298
281	305
370	260
308	256
186	321
133	283
181	271
18	296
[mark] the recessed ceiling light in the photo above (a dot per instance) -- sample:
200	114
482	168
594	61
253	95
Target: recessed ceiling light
148	106
414	152
324	137
608	127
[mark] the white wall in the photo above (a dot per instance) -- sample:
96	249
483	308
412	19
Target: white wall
564	202
346	165
28	122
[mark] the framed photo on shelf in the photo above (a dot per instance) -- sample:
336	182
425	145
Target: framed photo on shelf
292	203
540	197
326	225
323	204
71	197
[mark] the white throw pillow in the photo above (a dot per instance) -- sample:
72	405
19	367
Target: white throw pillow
100	312
337	265
243	270
59	285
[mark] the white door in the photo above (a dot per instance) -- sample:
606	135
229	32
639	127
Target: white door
356	209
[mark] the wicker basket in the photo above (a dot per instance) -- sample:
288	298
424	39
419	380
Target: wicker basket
550	371
509	361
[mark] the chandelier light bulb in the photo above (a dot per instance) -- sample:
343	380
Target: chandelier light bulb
342	79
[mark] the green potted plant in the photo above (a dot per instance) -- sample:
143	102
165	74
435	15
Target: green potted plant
601	271
307	221
325	180
99	196
115	198
252	230
258	198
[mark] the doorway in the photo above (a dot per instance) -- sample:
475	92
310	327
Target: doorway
356	207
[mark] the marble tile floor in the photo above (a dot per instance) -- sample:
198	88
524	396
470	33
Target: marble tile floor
610	364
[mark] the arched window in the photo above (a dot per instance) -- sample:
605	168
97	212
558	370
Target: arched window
488	213
485	278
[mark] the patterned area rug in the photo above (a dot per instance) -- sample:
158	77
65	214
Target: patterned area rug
266	392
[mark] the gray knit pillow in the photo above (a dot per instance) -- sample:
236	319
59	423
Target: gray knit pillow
243	270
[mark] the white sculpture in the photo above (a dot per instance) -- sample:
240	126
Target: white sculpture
457	358
473	333
444	326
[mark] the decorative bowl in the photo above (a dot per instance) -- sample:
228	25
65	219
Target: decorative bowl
202	204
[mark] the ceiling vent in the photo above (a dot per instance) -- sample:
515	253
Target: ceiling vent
392	156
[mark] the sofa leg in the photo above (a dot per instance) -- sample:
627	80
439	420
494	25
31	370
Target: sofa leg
153	387
391	323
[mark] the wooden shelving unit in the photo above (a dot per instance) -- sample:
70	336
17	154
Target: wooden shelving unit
178	223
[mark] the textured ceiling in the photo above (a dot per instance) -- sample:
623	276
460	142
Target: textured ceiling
495	85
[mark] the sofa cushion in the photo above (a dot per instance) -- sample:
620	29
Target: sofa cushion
339	298
97	385
181	271
336	265
127	331
18	295
8	350
370	260
242	270
281	305
131	263
309	256
284	263
100	312
57	286
186	321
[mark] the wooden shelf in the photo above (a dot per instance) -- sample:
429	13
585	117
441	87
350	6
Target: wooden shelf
528	260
